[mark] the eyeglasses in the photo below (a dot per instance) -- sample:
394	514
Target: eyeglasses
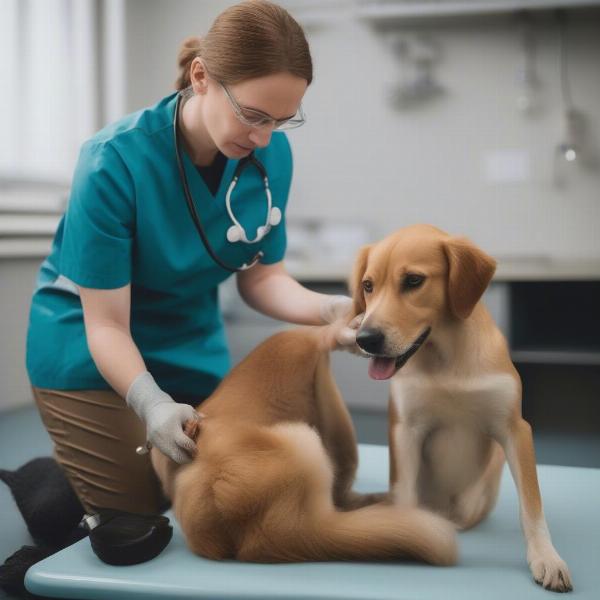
258	119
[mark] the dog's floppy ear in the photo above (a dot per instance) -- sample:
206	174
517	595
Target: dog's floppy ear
356	290
470	271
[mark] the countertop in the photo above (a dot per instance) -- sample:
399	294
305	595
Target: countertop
509	268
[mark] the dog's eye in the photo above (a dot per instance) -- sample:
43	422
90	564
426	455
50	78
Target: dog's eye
412	281
367	286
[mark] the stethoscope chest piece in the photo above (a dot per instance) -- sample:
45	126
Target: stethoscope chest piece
236	233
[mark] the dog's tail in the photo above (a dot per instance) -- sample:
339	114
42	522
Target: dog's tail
378	532
273	503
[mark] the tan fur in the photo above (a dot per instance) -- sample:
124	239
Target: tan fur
455	406
276	458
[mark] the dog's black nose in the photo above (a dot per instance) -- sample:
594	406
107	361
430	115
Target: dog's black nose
371	340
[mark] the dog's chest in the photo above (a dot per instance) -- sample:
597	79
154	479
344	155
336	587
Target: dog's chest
480	401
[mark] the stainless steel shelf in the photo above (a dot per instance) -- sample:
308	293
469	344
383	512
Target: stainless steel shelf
556	357
383	10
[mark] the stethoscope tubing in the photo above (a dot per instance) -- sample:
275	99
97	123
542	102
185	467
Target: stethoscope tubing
190	202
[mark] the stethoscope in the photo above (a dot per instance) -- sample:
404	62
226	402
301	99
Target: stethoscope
235	233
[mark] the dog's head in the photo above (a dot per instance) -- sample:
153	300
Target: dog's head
410	283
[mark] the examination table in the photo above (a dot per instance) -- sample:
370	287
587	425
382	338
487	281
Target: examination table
492	563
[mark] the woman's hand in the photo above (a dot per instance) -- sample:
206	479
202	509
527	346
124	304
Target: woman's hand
345	336
340	308
164	418
334	308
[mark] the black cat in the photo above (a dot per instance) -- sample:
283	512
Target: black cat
51	511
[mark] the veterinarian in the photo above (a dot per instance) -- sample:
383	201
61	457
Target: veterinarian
125	334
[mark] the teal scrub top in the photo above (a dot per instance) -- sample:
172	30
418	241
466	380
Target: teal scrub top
127	222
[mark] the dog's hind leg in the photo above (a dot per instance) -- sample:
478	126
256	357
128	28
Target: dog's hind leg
475	503
337	432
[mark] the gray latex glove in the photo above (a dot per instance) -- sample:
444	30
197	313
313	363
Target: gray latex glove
335	308
164	418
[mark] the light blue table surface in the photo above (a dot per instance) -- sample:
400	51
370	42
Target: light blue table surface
492	562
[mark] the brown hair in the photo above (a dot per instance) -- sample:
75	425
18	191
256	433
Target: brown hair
251	39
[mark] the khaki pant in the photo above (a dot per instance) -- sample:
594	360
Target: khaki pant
95	435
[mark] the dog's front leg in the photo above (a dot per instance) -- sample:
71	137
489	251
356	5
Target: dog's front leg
406	443
546	565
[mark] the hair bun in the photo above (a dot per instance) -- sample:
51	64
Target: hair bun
190	49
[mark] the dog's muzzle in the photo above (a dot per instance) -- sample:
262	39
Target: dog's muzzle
383	367
371	340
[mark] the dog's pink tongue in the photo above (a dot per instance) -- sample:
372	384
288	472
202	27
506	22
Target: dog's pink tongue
381	368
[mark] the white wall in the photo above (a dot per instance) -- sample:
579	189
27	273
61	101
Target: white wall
358	158
361	159
17	281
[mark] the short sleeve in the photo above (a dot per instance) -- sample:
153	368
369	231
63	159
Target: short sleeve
100	220
275	242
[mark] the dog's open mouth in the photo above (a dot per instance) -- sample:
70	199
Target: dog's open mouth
383	367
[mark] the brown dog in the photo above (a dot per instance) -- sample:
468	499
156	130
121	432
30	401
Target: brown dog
276	459
455	407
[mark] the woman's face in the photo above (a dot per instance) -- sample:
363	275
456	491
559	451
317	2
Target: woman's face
277	95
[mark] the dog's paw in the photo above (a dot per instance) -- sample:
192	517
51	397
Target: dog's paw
550	570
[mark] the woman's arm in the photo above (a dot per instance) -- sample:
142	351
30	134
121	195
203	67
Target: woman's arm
270	290
107	326
106	316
